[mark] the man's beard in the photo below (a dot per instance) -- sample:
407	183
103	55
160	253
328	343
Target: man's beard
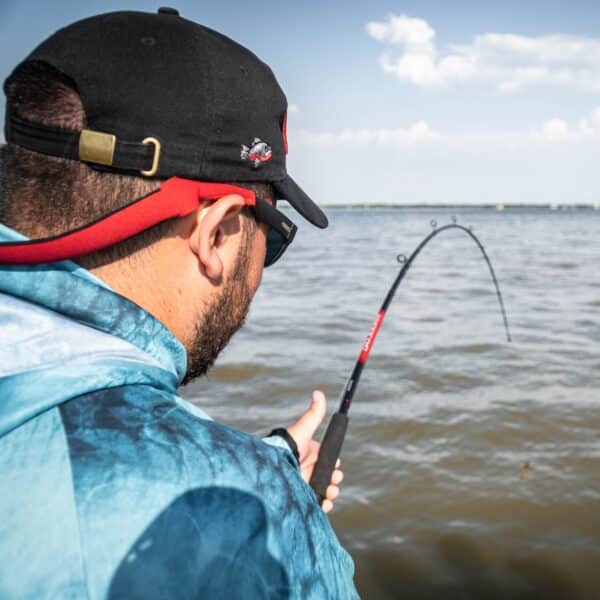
222	317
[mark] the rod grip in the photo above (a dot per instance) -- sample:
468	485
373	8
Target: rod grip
331	446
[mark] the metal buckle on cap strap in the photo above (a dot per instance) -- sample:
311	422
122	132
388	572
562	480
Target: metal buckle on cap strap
155	160
97	147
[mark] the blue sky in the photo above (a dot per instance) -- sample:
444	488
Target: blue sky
403	102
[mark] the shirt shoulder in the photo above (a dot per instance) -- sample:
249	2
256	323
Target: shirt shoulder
227	500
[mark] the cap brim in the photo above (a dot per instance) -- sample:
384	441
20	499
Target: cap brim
288	189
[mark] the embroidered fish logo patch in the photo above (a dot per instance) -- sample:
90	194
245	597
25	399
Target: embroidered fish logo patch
257	153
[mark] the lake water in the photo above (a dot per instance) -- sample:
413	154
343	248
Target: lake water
437	501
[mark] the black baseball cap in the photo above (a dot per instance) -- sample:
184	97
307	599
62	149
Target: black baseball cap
166	97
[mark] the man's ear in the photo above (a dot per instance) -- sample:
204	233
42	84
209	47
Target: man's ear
213	224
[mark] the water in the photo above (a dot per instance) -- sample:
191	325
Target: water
436	503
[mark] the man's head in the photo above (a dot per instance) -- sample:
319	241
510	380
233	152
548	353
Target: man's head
196	272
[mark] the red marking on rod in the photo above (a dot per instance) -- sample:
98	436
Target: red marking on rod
371	337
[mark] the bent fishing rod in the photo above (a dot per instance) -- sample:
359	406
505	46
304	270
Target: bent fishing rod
331	444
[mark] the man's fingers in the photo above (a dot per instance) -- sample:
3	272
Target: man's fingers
337	477
305	427
327	506
333	491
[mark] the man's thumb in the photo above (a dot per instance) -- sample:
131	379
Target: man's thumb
308	423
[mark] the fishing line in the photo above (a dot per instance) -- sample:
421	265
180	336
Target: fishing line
333	439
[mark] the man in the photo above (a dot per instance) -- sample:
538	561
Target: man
150	150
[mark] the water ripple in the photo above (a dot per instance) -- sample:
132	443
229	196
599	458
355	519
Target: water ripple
472	465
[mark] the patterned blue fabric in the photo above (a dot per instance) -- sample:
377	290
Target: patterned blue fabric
115	487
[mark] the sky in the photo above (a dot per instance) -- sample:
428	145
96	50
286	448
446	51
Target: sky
411	102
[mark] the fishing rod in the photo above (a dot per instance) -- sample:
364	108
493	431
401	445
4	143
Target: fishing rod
331	444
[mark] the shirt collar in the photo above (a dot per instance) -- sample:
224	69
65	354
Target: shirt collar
71	290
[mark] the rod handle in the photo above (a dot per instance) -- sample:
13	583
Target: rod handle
331	446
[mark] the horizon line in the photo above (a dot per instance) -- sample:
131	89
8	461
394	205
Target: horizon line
499	207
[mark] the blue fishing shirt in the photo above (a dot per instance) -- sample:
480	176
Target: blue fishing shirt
113	486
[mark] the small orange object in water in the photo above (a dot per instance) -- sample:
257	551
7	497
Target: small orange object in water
524	470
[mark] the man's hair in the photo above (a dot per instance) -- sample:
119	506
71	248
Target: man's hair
43	195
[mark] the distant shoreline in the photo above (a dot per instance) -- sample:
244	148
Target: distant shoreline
494	207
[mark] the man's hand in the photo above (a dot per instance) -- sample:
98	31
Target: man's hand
302	431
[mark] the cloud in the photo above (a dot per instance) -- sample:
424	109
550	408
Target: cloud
554	130
558	130
504	61
417	133
293	109
590	126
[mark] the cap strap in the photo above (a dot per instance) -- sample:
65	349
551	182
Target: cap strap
87	146
176	198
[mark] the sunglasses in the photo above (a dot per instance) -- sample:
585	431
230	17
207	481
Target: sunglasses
281	230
